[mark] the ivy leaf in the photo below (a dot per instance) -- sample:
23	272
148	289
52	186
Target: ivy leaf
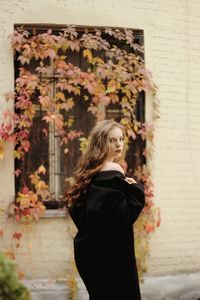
34	178
86	98
88	54
114	98
42	169
73	134
17	235
25	145
45	101
24	59
57	118
51	53
17	172
93	109
60	96
68	104
17	154
74	45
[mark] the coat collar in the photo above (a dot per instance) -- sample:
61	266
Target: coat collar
107	174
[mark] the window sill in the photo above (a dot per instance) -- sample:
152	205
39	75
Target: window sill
54	213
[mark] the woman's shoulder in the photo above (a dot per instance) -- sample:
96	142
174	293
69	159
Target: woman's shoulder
116	180
112	166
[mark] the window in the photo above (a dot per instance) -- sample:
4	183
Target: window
45	149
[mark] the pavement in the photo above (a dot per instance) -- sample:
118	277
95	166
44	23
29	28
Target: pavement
185	286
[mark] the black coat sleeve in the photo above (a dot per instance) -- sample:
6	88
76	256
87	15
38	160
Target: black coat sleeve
135	197
117	200
109	202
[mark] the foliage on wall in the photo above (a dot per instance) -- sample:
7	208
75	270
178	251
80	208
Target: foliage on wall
117	76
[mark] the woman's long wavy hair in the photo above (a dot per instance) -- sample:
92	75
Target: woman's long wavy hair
93	159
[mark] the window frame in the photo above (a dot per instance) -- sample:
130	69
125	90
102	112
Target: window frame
54	166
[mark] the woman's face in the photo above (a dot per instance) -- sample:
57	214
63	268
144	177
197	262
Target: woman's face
116	143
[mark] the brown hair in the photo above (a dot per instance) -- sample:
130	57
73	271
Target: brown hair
93	158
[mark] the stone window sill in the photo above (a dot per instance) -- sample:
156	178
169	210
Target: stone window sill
54	213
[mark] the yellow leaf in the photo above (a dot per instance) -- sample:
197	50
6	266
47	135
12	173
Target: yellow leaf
17	154
24	202
77	91
128	93
124	99
83	144
85	97
34	178
88	54
97	60
42	169
30	112
2	150
60	95
69	122
42	185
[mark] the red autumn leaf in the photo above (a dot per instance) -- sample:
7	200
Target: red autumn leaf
149	228
26	212
26	145
73	134
114	98
17	235
25	190
50	52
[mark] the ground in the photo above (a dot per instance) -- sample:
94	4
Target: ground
170	287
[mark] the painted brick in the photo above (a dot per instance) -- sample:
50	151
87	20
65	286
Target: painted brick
172	51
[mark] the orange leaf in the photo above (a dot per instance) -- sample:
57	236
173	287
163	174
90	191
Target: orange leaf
2	149
21	275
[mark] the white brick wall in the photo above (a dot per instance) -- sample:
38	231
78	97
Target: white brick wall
172	52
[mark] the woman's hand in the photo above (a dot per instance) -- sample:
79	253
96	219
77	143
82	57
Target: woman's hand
130	180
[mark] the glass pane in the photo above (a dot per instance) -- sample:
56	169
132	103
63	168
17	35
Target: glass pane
37	155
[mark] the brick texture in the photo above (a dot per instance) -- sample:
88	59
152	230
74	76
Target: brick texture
172	53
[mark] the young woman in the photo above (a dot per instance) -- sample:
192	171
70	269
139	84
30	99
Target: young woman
104	204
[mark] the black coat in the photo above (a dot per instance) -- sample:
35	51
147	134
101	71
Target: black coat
104	244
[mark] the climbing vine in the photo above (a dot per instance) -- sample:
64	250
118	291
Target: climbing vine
114	75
